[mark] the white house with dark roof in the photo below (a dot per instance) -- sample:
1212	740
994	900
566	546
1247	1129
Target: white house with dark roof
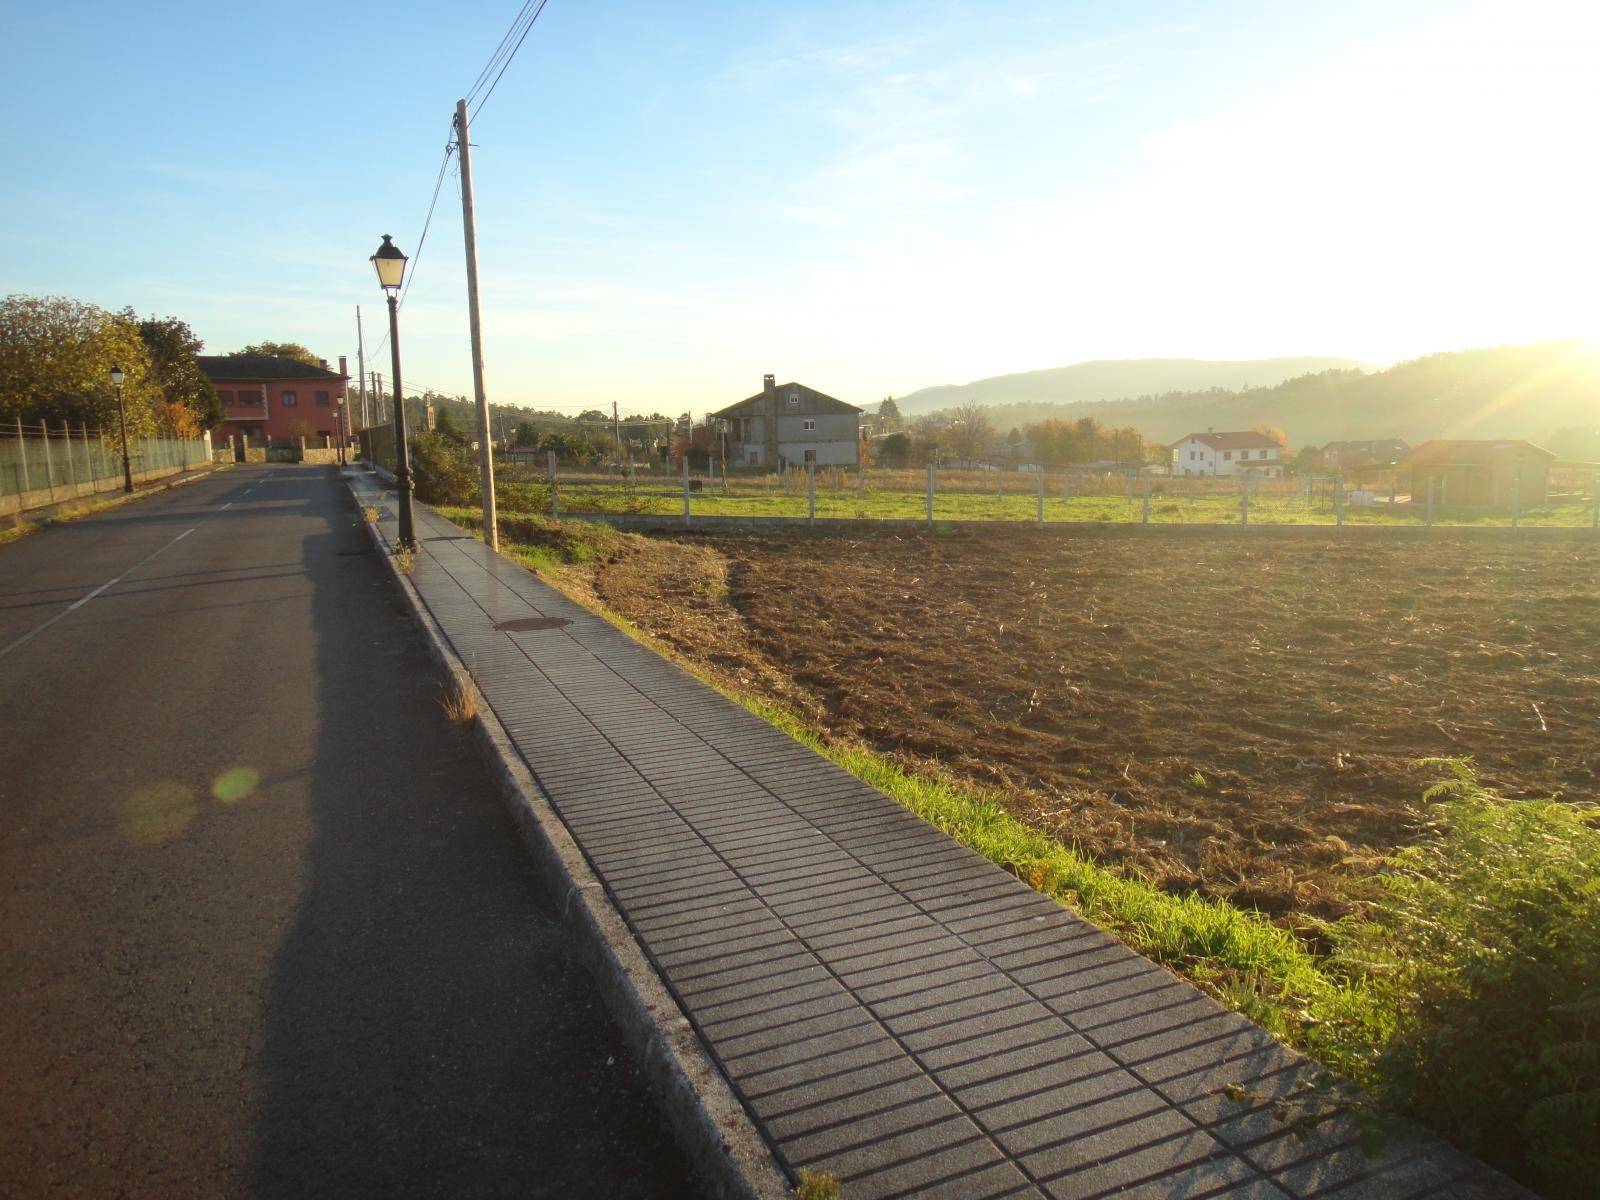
1210	453
791	424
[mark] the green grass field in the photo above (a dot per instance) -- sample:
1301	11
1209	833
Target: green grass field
1171	505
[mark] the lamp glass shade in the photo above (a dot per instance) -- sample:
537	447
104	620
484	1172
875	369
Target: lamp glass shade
390	265
116	376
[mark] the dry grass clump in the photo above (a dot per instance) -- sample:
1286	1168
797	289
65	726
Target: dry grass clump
459	700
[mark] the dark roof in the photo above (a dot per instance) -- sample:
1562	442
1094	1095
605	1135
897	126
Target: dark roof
220	367
1247	440
821	401
1445	452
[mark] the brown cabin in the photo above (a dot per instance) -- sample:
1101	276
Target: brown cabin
1486	474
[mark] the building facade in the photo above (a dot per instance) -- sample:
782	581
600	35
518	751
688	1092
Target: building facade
267	399
1245	453
790	425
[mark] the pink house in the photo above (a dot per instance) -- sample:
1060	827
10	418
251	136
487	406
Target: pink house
277	399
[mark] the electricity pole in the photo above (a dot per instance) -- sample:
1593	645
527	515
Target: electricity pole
469	231
361	368
616	431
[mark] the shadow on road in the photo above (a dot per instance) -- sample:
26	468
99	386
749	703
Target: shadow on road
428	1032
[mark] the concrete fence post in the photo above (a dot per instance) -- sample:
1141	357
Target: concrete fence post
1338	500
686	489
72	469
22	459
550	466
1144	516
861	480
1430	501
88	457
929	498
811	493
1039	497
49	467
1244	500
555	502
1516	499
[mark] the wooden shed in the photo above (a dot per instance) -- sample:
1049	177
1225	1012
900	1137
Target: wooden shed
1487	474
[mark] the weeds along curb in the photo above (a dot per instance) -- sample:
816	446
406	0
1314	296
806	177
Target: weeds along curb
726	1152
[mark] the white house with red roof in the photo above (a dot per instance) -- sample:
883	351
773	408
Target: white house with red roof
1211	453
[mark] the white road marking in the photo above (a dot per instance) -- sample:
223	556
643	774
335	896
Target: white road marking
82	600
229	504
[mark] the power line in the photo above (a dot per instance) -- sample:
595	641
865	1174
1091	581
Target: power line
411	271
527	26
499	50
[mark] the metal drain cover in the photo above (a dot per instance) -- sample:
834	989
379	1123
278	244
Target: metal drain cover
522	623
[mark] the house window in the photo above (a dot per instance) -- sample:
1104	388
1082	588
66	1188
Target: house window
811	456
322	399
1263	454
808	423
225	397
288	399
1227	455
794	397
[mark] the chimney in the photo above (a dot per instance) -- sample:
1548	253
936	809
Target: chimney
344	367
769	422
323	363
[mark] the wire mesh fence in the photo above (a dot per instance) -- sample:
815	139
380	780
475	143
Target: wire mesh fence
43	464
1037	495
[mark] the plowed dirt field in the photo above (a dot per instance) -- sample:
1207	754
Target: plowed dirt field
1238	713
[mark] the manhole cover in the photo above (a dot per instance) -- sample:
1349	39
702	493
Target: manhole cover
522	623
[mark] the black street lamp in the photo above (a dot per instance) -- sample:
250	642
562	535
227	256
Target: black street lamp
391	267
122	417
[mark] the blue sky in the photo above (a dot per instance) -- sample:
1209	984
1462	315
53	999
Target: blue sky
675	199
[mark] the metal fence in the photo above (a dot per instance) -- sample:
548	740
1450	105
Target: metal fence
1040	496
42	464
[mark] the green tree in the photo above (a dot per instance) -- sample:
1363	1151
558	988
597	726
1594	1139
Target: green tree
175	371
895	450
889	414
55	354
970	434
444	428
292	350
525	434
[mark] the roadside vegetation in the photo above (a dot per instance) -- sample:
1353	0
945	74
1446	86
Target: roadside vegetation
1459	983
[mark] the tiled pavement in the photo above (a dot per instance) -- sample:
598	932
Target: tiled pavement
890	1007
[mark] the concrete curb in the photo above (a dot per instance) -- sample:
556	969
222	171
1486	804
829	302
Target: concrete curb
728	1155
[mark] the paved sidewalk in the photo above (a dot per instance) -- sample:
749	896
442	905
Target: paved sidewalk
891	1008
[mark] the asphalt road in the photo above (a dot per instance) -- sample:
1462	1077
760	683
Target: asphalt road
266	928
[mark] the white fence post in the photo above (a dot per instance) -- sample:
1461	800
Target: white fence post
22	458
1144	517
1338	500
1039	500
72	470
811	493
929	498
49	467
1244	499
686	488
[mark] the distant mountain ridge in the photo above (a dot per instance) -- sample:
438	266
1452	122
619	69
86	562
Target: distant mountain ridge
1118	379
1546	392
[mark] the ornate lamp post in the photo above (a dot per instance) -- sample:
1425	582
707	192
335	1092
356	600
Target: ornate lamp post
122	419
391	267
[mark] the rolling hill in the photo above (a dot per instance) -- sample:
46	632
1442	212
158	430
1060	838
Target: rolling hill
1115	379
1547	392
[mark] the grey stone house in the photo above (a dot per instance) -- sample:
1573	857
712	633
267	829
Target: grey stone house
790	425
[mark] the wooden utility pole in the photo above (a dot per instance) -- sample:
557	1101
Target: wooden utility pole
469	232
361	369
616	430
